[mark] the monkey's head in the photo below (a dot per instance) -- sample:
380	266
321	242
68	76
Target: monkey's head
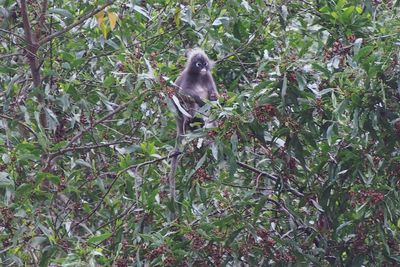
198	62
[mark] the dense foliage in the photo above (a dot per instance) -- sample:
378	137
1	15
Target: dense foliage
302	169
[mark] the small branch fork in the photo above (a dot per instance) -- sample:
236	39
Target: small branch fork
117	175
69	147
33	40
270	176
76	23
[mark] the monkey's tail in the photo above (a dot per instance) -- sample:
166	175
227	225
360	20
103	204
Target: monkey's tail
172	181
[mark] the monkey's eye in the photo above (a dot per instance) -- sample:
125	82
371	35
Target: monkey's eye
198	64
206	64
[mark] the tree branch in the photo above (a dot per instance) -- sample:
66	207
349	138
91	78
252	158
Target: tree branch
19	122
10	55
136	167
270	176
32	45
12	33
87	147
26	23
50	157
109	115
32	48
244	165
76	23
41	20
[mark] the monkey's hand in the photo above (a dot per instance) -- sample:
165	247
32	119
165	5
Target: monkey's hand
213	97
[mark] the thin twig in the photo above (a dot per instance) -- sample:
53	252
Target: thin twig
136	167
244	165
41	20
270	176
19	122
14	34
76	23
106	117
32	48
78	135
10	55
87	147
123	214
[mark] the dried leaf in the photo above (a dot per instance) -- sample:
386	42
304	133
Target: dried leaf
113	18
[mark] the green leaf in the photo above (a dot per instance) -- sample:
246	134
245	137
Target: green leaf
5	181
99	238
62	12
142	11
24	190
363	53
348	12
83	163
221	21
181	109
330	133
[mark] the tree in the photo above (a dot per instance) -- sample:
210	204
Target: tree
302	169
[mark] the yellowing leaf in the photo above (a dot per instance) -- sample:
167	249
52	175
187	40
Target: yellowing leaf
177	17
100	18
112	17
104	30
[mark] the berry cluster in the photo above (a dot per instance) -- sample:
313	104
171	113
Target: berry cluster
264	113
122	262
319	106
211	134
358	244
284	257
171	91
7	215
197	242
60	131
153	60
163	195
292	163
397	127
291	76
169	261
64	244
62	184
337	49
230	132
148	218
395	169
152	254
202	176
374	197
217	253
266	241
247	246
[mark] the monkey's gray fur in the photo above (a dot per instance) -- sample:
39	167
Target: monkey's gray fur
195	84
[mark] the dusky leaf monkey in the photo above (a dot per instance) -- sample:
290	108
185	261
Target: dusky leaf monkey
195	84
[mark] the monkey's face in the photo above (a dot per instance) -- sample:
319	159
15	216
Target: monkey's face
199	65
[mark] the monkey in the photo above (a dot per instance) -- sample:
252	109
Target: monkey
195	84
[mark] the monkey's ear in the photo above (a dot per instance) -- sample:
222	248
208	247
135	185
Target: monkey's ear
187	52
212	63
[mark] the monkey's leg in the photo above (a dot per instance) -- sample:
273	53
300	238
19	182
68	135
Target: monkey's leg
180	125
172	182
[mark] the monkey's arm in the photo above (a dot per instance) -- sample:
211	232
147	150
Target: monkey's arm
212	89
